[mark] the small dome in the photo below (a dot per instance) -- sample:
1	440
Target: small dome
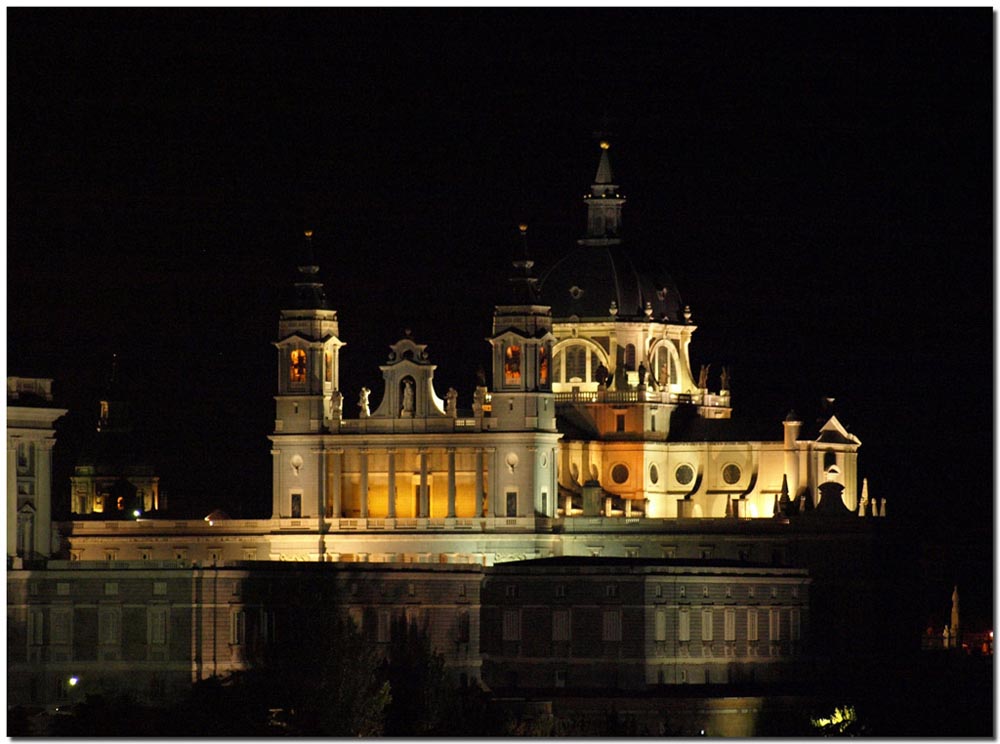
590	277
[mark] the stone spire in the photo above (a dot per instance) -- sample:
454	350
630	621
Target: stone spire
525	285
604	204
308	292
954	617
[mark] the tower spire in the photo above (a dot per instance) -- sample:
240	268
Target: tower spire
604	203
308	292
525	285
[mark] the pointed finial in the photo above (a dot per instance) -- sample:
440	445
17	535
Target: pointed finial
687	313
613	310
648	310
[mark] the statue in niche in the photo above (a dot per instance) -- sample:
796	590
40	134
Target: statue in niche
337	405
642	374
407	397
451	402
664	375
703	376
363	403
601	375
480	377
724	377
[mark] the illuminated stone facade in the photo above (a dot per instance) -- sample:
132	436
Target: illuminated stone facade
591	438
30	438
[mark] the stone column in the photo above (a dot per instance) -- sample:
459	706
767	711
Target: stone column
338	477
479	482
364	484
276	483
451	481
423	503
493	468
11	496
43	498
321	487
391	512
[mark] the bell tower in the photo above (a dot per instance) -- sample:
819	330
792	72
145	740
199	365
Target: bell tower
308	397
522	401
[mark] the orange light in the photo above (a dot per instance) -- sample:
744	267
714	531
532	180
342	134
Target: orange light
605	145
309	233
523	227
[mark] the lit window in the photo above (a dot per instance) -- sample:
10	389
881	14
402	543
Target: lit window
684	625
297	370
576	364
512	365
707	625
328	369
543	365
774	625
661	625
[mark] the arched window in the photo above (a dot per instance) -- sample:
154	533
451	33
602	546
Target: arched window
630	357
512	365
297	369
576	364
666	366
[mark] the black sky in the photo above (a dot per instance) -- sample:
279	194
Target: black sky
818	182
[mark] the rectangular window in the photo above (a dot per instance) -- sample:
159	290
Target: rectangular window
560	678
511	625
462	631
683	591
237	627
510	591
383	631
62	589
109	626
660	628
611	627
543	365
297	366
296	505
560	590
36	625
560	625
774	625
159	588
684	625
658	590
511	503
707	630
620	423
157	630
752	634
795	625
62	620
328	367
512	365
730	629
545	503
611	591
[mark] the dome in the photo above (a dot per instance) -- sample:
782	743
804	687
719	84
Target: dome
589	278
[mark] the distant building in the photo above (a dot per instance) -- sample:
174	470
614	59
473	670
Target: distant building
111	477
592	439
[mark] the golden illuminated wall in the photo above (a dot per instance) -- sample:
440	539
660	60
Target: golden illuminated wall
407	482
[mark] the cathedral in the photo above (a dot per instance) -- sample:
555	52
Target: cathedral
592	438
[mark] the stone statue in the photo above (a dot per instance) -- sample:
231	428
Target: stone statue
363	402
480	377
724	379
407	397
451	402
337	405
703	376
642	374
664	375
601	375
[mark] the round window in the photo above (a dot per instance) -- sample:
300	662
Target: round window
684	474
619	473
654	474
731	474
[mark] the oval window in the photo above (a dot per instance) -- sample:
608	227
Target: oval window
654	474
731	474
619	473
684	474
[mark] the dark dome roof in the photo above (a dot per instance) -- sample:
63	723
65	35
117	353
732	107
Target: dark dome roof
589	277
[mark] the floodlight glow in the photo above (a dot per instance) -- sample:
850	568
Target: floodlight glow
73	681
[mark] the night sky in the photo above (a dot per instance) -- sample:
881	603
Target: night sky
818	183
